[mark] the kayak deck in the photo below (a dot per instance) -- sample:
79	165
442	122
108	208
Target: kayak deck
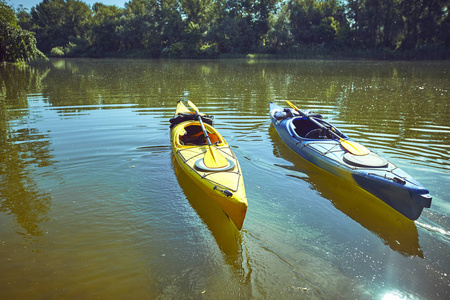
230	180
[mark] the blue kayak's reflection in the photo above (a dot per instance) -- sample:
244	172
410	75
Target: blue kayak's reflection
396	231
227	236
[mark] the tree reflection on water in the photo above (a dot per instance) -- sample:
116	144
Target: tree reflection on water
23	150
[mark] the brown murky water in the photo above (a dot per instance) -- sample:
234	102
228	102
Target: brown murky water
93	205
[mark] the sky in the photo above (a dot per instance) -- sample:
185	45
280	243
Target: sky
30	3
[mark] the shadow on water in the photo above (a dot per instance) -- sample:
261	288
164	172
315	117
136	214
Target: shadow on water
396	231
228	238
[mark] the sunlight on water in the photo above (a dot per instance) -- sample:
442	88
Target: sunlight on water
94	205
395	295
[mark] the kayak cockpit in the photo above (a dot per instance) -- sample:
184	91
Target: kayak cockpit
308	129
191	134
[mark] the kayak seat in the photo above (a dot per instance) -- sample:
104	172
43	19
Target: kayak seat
303	126
306	128
194	136
315	134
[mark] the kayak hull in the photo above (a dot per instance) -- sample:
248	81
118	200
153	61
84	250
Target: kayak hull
224	187
372	173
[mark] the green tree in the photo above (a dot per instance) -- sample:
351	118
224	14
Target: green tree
103	33
57	22
328	29
241	26
23	18
374	22
261	12
196	16
422	20
140	32
16	44
305	19
397	23
279	37
196	11
223	26
172	26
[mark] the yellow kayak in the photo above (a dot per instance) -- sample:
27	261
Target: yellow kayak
223	183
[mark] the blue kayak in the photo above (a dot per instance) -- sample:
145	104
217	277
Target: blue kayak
323	145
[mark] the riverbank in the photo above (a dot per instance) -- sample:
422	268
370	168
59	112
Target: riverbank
425	53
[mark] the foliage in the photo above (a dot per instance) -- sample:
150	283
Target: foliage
55	21
7	15
208	28
16	44
103	33
57	51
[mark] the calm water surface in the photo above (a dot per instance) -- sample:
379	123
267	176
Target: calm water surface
93	205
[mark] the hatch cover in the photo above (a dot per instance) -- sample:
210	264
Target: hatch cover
371	160
200	165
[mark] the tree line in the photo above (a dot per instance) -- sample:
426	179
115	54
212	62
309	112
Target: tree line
210	28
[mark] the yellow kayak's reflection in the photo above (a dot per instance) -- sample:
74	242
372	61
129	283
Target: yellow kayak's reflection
395	230
228	238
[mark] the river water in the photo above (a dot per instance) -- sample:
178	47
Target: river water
93	205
